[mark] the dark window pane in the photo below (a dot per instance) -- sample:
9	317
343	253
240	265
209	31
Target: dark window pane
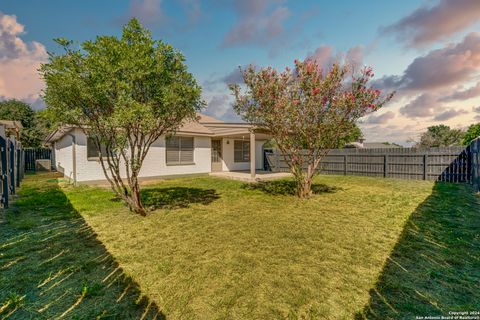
179	150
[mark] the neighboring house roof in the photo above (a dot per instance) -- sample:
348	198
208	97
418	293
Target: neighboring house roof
12	127
372	145
11	124
379	145
204	126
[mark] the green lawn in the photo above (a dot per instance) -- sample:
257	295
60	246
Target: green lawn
220	249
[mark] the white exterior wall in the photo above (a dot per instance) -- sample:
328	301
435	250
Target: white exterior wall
64	156
154	164
228	156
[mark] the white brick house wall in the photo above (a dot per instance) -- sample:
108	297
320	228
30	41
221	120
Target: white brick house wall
228	161
154	164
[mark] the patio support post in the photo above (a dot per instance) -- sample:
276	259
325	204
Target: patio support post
252	155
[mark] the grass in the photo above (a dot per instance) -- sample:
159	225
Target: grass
220	249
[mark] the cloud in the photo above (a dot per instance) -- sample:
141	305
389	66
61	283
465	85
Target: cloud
380	119
429	24
152	13
148	12
235	76
464	95
325	56
220	107
425	105
192	9
354	56
476	109
448	114
440	68
391	133
19	62
260	22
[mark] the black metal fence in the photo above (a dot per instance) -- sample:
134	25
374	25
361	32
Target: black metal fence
452	164
11	167
34	154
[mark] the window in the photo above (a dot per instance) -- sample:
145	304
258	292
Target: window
92	150
179	150
241	151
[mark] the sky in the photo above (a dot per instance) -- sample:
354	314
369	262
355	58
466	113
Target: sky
427	51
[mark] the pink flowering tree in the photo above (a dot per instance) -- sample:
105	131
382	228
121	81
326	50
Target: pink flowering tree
306	111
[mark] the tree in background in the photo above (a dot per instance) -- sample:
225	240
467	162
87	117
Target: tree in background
354	135
440	136
306	111
124	93
472	133
35	126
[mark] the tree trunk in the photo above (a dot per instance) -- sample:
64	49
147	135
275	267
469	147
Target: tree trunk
304	187
137	205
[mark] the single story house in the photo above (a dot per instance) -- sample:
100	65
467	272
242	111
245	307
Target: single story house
208	145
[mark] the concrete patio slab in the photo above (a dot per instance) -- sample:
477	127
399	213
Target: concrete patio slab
245	175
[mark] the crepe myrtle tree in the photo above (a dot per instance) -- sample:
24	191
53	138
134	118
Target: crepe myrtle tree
124	93
306	110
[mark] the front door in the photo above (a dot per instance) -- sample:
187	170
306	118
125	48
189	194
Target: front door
216	155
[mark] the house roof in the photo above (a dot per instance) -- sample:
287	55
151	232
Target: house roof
372	145
204	126
11	124
379	145
203	118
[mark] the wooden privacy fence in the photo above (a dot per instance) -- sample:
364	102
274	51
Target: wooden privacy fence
11	167
34	154
475	162
451	164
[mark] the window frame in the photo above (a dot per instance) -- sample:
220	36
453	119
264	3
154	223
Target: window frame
91	143
180	162
243	143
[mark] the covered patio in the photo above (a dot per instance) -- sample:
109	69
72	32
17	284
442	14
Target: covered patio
237	151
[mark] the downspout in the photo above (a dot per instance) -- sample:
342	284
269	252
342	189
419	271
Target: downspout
74	158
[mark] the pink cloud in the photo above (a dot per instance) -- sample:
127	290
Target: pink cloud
425	105
19	62
465	94
325	56
451	65
148	12
380	119
429	24
259	23
448	114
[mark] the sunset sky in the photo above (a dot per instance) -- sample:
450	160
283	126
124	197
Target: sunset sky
428	51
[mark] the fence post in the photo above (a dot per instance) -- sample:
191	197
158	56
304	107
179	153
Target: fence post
385	166
425	164
475	163
345	163
5	191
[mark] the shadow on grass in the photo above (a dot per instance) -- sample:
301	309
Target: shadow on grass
435	266
53	266
286	187
176	197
